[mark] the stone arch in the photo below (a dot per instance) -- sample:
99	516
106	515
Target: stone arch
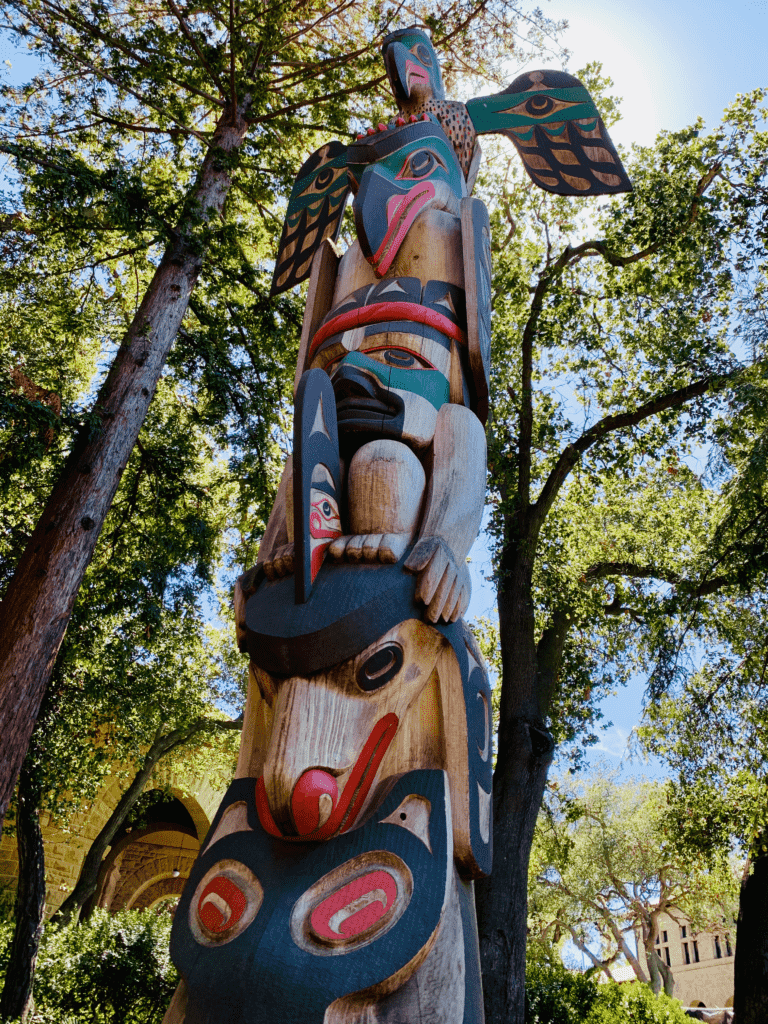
143	857
156	891
195	793
195	810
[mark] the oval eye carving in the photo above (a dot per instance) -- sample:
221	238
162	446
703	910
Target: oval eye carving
382	666
325	177
396	357
422	163
424	55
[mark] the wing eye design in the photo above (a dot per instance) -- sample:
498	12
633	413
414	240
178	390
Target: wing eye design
381	667
539	106
322	181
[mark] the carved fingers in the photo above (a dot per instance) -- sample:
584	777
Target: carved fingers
387	548
281	564
443	585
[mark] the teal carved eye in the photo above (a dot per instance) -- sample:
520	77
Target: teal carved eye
421	164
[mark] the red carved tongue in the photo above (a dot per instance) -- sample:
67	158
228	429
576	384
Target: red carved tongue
305	799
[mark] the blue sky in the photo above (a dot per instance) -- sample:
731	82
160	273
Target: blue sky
670	62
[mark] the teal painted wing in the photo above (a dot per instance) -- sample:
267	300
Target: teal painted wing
558	132
314	213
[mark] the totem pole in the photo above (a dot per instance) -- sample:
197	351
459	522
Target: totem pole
336	883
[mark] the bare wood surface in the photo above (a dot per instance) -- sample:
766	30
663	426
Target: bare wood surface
432	251
177	1010
257	729
322	280
325	721
452	516
385	489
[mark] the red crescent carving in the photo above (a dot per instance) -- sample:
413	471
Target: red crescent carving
221	904
367	898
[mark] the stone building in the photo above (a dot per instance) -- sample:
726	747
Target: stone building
701	962
144	865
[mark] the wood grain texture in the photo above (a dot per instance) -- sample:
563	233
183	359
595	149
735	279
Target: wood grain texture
452	515
324	722
257	724
432	251
322	283
176	1012
385	490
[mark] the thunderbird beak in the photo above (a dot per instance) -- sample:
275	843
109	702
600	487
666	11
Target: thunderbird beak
384	215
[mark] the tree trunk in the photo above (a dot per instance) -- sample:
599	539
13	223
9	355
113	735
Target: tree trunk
751	962
39	601
522	762
16	1000
502	899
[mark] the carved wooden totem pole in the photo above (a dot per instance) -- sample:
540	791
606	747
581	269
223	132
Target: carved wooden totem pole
335	886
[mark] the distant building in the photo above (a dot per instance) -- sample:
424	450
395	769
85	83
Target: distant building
701	962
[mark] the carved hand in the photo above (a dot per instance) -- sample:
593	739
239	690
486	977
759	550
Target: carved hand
281	564
443	584
370	547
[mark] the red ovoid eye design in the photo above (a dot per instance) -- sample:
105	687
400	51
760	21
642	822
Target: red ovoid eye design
352	905
226	901
356	908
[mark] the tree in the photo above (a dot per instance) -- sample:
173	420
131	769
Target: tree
617	349
192	85
710	729
148	154
603	870
113	740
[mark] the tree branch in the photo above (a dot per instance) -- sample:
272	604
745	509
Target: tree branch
196	47
617	421
634	571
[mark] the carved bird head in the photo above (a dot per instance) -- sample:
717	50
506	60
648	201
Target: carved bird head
412	67
396	173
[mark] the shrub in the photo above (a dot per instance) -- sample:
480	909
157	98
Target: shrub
111	969
635	1004
556	996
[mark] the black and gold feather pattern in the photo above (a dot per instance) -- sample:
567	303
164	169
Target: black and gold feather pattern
314	213
556	129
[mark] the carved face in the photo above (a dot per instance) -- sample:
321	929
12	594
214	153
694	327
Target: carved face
412	67
332	732
396	175
392	392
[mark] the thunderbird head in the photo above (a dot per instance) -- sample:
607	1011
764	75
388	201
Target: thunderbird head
397	173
